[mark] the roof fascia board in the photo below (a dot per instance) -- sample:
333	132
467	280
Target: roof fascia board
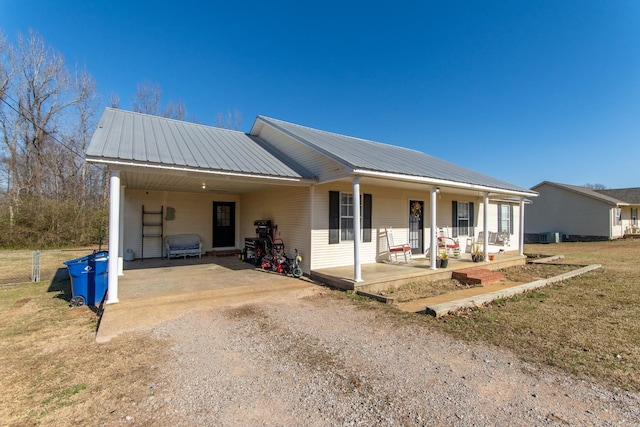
435	181
204	171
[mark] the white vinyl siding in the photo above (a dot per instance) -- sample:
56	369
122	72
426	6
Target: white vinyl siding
390	209
288	208
193	215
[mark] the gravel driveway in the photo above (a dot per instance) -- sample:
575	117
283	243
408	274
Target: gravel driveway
325	360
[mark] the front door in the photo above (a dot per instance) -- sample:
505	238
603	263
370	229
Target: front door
224	224
416	218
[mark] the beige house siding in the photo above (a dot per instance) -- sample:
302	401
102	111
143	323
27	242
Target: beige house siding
558	210
288	208
193	215
386	212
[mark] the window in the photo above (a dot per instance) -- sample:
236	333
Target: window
223	216
618	218
462	218
346	216
505	219
341	217
634	216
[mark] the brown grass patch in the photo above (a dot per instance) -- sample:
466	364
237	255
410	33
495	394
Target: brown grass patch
52	372
588	325
423	289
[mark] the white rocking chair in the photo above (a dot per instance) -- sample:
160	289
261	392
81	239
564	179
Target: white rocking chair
394	249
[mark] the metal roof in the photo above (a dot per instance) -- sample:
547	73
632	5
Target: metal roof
594	194
362	154
137	139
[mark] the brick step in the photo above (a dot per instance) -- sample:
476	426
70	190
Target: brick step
477	276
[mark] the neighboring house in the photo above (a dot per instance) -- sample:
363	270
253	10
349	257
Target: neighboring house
574	213
330	196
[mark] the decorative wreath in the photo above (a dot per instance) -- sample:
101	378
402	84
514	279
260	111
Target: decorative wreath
416	209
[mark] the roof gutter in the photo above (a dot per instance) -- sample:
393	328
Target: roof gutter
443	182
205	171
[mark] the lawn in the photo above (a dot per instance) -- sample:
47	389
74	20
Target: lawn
588	325
52	372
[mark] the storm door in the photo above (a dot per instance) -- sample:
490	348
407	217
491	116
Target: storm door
416	219
224	224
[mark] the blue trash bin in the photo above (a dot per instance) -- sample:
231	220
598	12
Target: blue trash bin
89	278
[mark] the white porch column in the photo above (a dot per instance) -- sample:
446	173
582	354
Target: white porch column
121	238
485	224
114	236
357	267
521	237
433	249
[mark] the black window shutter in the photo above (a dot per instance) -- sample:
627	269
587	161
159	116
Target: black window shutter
334	217
454	218
366	218
500	218
472	219
512	219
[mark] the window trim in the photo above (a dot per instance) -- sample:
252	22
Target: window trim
335	216
509	228
470	219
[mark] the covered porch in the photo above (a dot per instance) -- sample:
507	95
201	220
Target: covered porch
384	275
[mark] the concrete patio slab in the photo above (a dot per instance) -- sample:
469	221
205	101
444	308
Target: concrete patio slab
154	291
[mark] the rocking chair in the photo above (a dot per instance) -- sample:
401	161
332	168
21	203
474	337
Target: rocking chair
394	249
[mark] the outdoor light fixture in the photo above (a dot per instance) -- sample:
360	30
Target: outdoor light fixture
204	186
437	189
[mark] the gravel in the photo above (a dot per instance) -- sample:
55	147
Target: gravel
327	361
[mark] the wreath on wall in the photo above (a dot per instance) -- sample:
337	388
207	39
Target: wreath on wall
416	209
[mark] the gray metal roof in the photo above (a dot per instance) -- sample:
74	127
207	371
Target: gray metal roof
373	156
141	139
594	194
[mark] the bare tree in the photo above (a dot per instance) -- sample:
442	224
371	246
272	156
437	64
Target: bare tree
147	98
229	120
4	69
595	186
43	92
46	118
175	110
114	100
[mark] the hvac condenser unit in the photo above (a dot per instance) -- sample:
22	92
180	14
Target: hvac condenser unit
549	238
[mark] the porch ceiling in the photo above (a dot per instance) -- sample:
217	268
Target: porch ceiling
419	187
183	181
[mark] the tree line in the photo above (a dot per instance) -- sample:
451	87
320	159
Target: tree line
49	195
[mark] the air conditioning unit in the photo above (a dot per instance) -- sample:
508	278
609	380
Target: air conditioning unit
549	238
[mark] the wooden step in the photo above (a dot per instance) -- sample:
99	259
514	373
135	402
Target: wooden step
477	276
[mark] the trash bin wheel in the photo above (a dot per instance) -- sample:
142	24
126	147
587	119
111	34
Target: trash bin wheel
297	272
76	302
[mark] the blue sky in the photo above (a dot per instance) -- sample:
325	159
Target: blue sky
525	91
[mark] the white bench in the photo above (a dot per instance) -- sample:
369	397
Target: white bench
183	245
